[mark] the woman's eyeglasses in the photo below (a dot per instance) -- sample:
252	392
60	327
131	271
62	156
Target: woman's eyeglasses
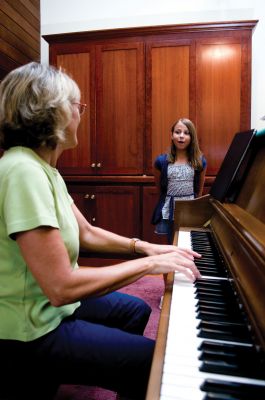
81	107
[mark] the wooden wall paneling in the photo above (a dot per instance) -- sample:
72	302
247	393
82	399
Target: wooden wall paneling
120	108
20	34
169	95
80	65
218	97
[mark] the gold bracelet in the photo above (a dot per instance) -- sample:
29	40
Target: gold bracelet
132	245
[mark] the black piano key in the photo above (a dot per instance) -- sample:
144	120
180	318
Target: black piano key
214	299
227	347
200	285
206	250
220	396
208	265
241	360
215	290
228	366
231	364
234	328
209	286
211	283
221	304
211	316
206	306
219	282
244	391
213	303
227	302
211	295
208	258
208	333
205	272
216	308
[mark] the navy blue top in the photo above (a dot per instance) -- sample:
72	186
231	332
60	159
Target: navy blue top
161	163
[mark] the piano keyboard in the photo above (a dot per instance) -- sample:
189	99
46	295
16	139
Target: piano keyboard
209	350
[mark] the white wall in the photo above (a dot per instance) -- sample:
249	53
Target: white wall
59	16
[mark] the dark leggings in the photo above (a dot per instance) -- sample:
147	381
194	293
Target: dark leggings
100	345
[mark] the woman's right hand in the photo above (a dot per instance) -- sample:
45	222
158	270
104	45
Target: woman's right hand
173	262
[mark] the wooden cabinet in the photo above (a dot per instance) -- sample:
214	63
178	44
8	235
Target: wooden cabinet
137	82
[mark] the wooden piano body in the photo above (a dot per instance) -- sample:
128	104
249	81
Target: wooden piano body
239	230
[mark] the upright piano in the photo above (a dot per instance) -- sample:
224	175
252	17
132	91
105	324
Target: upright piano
211	335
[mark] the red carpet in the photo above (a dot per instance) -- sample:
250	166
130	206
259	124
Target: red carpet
149	288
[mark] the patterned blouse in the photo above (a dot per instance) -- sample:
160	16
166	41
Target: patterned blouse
180	185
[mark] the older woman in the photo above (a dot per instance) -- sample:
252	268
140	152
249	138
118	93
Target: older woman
65	322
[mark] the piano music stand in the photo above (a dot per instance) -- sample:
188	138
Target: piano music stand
233	168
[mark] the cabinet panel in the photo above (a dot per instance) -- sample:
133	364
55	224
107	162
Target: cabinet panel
169	94
120	108
219	93
80	159
115	208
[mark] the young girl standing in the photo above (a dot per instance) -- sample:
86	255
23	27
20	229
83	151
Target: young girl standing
179	175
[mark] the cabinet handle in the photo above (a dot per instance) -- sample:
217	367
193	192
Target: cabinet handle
99	165
86	196
93	219
93	165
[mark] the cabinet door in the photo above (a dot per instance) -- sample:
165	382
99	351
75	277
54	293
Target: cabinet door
170	80
84	197
120	109
80	65
115	208
222	95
